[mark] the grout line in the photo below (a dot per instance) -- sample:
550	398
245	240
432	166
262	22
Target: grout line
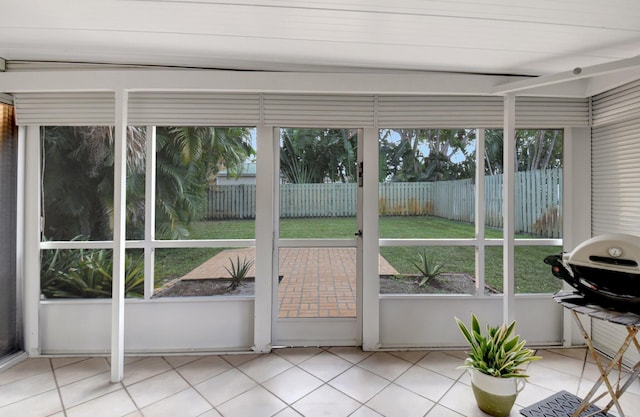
582	371
135	404
124	387
237	368
55	379
190	386
456	381
59	388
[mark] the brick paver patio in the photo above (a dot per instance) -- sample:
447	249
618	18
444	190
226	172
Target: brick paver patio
316	282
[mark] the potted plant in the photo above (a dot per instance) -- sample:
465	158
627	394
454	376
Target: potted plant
495	364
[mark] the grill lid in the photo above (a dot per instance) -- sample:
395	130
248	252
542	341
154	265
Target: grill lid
613	252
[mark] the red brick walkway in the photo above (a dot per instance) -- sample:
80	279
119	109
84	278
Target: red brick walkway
316	282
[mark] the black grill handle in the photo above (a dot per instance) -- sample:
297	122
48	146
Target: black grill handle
560	271
557	267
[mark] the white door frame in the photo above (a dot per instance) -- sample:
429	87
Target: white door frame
320	331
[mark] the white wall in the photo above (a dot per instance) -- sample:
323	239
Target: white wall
419	321
185	325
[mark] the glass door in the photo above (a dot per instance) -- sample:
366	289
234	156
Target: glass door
318	243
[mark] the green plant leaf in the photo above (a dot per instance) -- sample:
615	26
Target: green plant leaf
238	271
428	267
498	353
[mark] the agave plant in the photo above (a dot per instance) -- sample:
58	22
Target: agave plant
238	271
428	267
498	353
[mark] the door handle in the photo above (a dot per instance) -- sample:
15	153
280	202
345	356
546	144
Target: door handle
358	233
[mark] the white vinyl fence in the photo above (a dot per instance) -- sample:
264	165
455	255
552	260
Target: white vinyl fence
538	201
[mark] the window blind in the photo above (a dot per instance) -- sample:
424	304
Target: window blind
615	184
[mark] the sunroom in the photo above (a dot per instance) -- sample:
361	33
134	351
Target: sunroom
382	201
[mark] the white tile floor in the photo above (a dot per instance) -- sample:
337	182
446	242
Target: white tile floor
286	383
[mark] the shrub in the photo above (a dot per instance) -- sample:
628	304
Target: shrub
87	273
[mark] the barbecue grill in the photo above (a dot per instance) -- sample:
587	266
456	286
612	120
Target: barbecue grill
604	269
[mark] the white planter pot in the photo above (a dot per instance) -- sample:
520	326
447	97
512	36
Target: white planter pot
495	396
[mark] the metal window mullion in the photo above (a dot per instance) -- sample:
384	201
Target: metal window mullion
274	146
508	193
149	212
32	233
20	238
204	243
318	243
370	242
264	305
431	242
480	212
77	244
569	234
538	242
119	221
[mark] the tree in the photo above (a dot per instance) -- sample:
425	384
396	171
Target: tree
444	144
535	149
538	149
401	148
426	154
318	155
493	151
78	177
187	161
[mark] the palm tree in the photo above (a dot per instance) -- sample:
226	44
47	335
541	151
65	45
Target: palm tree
78	177
77	171
315	155
426	154
187	161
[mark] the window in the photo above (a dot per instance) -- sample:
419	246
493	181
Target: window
539	163
190	204
87	273
317	183
427	192
427	199
205	191
77	188
205	182
77	183
538	206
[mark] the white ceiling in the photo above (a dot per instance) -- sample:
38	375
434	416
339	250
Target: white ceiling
520	37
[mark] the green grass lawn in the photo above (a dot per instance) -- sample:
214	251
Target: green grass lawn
531	274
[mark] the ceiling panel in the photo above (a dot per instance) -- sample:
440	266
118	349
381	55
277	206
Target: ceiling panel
488	36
